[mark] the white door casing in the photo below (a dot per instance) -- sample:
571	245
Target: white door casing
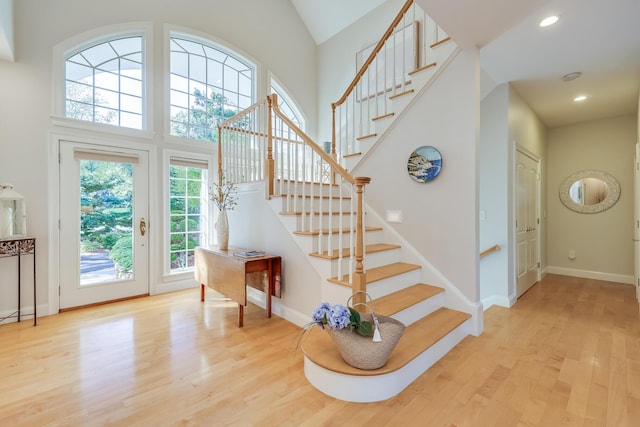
527	221
74	291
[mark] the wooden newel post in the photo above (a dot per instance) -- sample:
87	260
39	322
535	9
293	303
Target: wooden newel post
359	276
269	164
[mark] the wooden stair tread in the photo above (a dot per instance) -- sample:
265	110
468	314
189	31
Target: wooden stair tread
352	154
417	337
398	95
333	231
300	213
391	304
371	135
294	181
379	273
368	249
315	196
382	117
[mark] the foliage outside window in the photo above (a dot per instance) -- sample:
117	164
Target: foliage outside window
103	83
188	215
106	211
207	86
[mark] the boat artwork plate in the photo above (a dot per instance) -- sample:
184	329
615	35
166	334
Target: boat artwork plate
424	164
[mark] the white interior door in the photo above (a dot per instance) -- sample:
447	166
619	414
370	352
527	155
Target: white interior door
527	222
104	252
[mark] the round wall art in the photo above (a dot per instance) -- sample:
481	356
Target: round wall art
424	164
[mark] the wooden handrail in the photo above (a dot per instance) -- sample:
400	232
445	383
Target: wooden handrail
326	157
375	52
494	248
267	132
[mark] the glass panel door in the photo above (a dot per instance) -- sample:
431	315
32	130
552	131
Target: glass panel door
103	222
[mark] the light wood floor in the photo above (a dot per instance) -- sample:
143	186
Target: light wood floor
567	354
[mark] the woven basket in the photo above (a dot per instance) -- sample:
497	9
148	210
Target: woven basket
362	352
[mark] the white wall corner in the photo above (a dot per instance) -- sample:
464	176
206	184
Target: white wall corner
6	31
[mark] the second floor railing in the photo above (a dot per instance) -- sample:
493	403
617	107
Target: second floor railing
384	72
262	144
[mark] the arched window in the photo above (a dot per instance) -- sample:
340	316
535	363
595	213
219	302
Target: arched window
287	106
207	86
104	83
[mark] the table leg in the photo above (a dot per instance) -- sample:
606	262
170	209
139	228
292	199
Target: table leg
240	315
35	303
271	279
19	282
202	292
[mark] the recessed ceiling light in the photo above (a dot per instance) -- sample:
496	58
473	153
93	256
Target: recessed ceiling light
580	98
550	20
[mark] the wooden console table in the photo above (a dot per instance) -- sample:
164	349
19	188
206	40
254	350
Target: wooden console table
19	247
230	275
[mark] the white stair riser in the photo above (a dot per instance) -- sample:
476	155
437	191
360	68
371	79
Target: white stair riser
376	388
369	237
307	188
417	311
378	259
300	204
317	221
389	285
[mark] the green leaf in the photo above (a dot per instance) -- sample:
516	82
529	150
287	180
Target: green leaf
355	317
365	329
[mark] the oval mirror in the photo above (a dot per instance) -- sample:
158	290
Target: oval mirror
589	191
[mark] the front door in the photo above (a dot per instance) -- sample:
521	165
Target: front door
103	224
527	222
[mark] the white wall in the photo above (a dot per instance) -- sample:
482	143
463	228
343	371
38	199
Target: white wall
526	130
337	59
506	122
494	161
602	241
439	218
6	30
271	33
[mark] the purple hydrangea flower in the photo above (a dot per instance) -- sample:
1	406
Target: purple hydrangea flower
339	317
320	314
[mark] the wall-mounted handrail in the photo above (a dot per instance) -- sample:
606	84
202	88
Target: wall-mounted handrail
492	249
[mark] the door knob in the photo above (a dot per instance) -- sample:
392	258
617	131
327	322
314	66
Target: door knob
143	226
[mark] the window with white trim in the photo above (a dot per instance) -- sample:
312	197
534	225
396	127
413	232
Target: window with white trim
188	211
287	106
207	86
104	83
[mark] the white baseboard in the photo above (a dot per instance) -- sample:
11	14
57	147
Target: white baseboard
502	301
258	298
587	274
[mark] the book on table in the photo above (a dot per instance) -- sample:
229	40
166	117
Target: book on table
249	254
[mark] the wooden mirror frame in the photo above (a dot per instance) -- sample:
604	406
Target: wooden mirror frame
609	201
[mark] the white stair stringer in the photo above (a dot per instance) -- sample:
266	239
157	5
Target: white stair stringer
375	388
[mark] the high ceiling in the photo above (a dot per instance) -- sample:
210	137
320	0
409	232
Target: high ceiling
600	39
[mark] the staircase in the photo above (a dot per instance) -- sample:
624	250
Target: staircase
322	206
396	288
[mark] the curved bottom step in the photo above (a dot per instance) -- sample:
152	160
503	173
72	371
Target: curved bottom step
381	384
